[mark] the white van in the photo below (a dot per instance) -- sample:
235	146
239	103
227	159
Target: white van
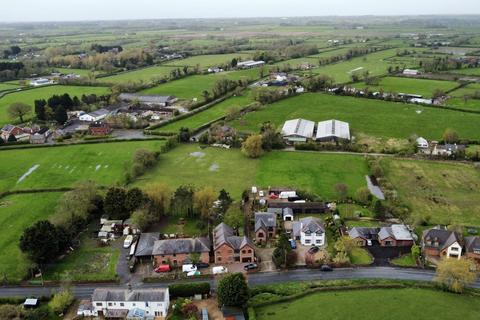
219	270
128	241
189	268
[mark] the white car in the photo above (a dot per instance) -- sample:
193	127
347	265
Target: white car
261	193
189	268
369	242
193	273
219	270
128	241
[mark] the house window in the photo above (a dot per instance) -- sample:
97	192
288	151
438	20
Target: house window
244	251
99	304
476	251
318	241
249	251
122	304
454	249
133	304
109	304
307	241
219	259
260	235
230	251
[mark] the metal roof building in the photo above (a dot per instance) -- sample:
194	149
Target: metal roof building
333	130
298	130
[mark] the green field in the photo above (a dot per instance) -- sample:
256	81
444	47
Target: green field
372	117
193	86
205	61
217	111
360	256
467	71
458	97
63	166
376	304
80	72
4	86
18	212
438	193
142	75
29	96
408	85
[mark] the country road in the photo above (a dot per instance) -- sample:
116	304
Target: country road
261	278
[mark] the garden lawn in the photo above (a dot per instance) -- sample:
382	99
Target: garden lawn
348	210
193	86
372	117
188	228
215	167
360	256
62	166
436	192
422	87
29	96
217	111
313	171
211	60
376	304
406	260
362	223
145	75
18	212
87	263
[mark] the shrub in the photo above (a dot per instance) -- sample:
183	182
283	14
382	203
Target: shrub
186	290
61	301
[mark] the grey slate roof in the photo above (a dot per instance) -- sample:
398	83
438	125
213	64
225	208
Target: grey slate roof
265	220
314	225
445	238
8	127
224	234
287	212
145	99
99	112
363	232
177	246
145	244
472	243
148	295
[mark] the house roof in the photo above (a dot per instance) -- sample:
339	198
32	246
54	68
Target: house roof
224	234
99	113
287	212
298	127
145	98
176	246
265	220
333	129
395	231
311	224
155	295
445	238
9	127
363	232
472	243
145	244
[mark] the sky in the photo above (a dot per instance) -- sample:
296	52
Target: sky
75	10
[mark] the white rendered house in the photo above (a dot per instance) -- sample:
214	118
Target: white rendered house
310	231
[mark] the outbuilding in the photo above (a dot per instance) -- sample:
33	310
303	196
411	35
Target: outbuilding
333	130
298	130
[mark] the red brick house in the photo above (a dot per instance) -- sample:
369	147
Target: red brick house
180	251
230	248
438	243
265	226
472	247
99	128
397	235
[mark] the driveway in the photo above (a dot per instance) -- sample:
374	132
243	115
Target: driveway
383	255
265	257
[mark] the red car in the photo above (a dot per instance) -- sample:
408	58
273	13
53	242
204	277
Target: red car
163	268
273	196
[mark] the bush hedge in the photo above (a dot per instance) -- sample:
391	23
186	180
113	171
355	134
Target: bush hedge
185	290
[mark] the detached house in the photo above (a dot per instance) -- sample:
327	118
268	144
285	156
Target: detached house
265	226
361	235
441	243
229	248
179	251
310	231
10	129
397	235
472	247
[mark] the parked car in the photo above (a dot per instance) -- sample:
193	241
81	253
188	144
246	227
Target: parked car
202	265
326	268
163	268
219	270
261	193
250	266
293	244
313	250
128	241
193	273
188	268
369	242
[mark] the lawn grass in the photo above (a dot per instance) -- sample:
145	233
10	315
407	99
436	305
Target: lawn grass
406	260
189	228
80	72
8	86
349	210
58	167
89	262
422	87
440	193
376	304
362	223
217	111
18	212
372	117
360	256
467	71
29	96
316	172
210	60
142	75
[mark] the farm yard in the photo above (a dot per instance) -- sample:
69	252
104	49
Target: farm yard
29	96
58	167
372	117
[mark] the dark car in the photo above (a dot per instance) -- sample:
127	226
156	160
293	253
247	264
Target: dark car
202	265
326	268
313	250
250	266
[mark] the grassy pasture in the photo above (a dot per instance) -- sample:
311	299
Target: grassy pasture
205	61
4	86
468	71
80	72
442	193
373	117
408	85
29	96
386	303
63	166
17	212
144	75
457	97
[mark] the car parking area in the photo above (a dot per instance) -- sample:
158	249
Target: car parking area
383	255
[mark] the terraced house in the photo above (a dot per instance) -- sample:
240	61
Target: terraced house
230	248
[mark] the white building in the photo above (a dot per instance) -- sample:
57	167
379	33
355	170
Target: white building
97	115
298	130
333	130
422	143
411	72
118	303
421	101
41	82
309	231
250	64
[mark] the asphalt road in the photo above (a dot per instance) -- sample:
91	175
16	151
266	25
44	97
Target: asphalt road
85	291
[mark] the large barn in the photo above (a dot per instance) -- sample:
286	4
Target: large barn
333	130
298	130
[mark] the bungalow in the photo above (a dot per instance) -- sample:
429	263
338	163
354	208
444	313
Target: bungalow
397	235
153	100
99	128
229	248
472	247
361	235
333	130
298	130
441	243
310	231
97	115
250	64
119	303
265	226
179	251
448	149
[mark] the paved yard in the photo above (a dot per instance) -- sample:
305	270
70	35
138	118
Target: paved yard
211	304
383	255
265	257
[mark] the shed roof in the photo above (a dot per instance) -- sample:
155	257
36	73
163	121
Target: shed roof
145	244
145	98
298	127
333	129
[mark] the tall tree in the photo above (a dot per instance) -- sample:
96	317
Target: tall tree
40	242
61	115
182	201
114	204
18	110
134	199
203	201
455	274
450	136
40	109
159	196
252	147
232	291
